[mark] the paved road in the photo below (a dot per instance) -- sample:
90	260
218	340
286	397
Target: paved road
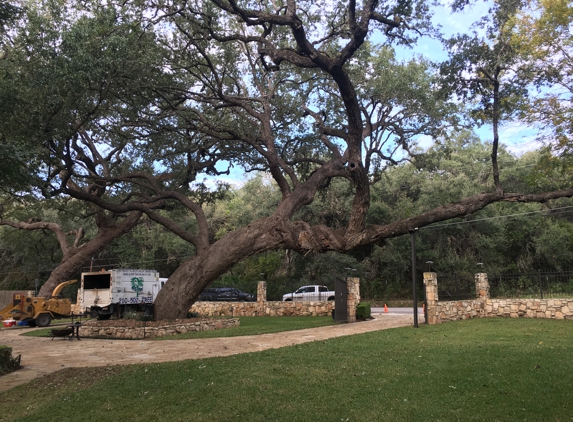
42	356
401	311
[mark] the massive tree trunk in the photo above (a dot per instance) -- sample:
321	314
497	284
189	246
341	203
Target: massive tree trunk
188	281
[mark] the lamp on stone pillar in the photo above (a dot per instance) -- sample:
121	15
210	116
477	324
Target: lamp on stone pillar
429	265
480	265
349	271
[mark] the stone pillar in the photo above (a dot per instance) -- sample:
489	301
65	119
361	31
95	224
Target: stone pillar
482	286
353	286
431	283
262	291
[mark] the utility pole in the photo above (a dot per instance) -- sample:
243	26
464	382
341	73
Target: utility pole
413	236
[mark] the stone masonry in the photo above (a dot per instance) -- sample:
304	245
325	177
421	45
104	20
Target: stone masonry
484	307
431	283
482	286
529	308
210	309
91	329
262	291
353	289
262	307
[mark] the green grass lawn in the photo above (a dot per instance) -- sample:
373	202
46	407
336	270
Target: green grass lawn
476	370
248	326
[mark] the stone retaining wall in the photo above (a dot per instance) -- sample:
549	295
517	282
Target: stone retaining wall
140	332
484	307
529	308
456	310
277	308
211	309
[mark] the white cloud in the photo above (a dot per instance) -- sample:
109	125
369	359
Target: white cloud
516	137
425	142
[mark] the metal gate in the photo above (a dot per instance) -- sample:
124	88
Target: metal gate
456	287
540	284
340	300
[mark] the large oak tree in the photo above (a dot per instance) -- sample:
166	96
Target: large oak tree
303	90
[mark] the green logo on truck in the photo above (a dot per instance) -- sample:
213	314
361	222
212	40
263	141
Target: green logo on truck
137	285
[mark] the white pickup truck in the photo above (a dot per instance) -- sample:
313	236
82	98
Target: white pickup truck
312	293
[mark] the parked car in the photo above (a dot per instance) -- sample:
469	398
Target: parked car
310	293
226	294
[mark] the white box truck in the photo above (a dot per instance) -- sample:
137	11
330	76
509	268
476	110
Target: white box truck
106	293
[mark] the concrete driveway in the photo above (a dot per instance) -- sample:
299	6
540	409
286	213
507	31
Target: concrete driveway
43	356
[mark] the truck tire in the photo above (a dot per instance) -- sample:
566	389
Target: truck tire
43	320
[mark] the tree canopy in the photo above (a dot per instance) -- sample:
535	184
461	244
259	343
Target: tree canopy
544	39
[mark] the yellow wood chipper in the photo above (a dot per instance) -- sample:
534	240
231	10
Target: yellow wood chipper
38	310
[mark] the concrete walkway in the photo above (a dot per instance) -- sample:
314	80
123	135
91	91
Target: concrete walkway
42	356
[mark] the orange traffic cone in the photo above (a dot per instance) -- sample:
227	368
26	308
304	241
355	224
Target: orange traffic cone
385	308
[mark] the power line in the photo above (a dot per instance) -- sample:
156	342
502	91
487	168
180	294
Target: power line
550	212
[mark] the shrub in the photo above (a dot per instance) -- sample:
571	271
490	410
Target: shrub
129	314
7	362
363	311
